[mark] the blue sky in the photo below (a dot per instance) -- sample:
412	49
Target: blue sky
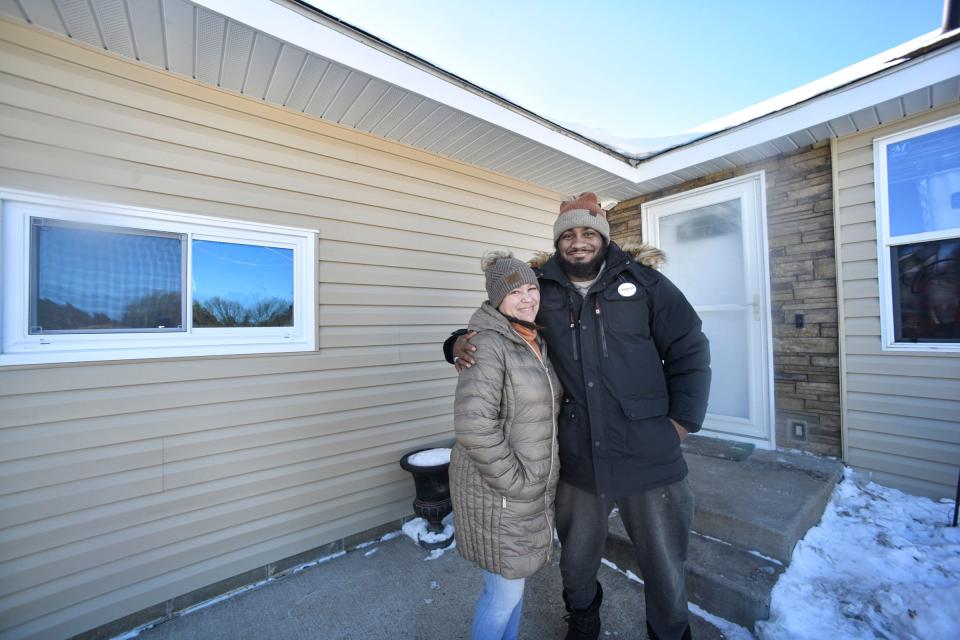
642	68
242	272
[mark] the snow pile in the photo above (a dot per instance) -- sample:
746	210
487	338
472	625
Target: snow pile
416	530
430	458
637	148
881	564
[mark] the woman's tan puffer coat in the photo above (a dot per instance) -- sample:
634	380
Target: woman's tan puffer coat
504	465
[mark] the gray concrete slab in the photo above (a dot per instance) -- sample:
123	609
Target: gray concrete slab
722	579
764	503
747	501
391	591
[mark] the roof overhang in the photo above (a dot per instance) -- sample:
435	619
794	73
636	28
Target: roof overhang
939	67
286	53
308	32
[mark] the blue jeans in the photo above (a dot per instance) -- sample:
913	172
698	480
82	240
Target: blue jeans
497	616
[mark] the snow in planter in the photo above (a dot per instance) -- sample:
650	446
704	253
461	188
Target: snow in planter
430	458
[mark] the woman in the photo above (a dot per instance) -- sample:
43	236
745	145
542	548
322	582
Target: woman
504	465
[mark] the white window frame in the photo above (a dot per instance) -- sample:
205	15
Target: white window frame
18	346
885	242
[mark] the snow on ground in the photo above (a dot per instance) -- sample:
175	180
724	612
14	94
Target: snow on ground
881	564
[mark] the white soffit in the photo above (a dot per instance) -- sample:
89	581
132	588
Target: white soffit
283	54
311	35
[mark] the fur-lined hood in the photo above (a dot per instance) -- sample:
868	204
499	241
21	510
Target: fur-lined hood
645	254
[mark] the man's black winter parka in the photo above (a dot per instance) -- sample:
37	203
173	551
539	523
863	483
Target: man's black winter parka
630	356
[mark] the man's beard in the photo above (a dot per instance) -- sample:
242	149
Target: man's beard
583	270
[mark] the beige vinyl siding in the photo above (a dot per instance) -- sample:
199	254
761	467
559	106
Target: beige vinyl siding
902	409
124	484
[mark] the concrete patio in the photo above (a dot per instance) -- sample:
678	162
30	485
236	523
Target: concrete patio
392	591
752	508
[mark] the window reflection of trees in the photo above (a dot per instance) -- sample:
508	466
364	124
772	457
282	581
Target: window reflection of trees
929	276
161	310
224	312
157	310
96	278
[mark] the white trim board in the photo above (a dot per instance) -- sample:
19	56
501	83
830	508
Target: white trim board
753	183
22	346
885	242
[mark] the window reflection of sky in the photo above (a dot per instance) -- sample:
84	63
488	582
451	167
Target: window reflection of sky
105	272
924	182
241	272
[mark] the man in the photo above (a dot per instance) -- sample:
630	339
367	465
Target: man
635	368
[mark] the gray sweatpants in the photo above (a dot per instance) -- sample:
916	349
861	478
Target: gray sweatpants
658	522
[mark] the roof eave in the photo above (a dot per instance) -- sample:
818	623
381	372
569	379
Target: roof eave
920	69
315	32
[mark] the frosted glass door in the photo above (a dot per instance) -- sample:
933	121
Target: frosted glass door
713	254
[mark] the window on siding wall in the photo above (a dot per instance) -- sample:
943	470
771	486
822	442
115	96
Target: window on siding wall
96	282
918	224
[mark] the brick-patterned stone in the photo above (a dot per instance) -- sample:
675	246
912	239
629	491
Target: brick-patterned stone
817	387
791	268
803	306
812	248
789	330
815	235
825	268
800	240
816	346
790	402
783	387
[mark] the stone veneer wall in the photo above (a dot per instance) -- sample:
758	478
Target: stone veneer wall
803	280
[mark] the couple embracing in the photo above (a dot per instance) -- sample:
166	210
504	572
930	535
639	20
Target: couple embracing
579	378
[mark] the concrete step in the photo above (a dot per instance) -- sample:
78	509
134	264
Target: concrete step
724	580
764	503
730	582
751	510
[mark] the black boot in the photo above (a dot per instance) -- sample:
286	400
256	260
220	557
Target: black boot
653	634
583	624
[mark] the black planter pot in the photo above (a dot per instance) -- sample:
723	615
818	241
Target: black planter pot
432	503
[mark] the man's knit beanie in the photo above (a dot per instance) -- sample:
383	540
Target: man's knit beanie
581	211
504	273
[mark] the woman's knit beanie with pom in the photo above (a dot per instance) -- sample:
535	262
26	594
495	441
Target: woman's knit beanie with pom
504	273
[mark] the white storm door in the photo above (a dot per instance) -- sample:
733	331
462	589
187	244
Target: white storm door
714	239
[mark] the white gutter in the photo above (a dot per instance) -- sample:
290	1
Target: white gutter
311	35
